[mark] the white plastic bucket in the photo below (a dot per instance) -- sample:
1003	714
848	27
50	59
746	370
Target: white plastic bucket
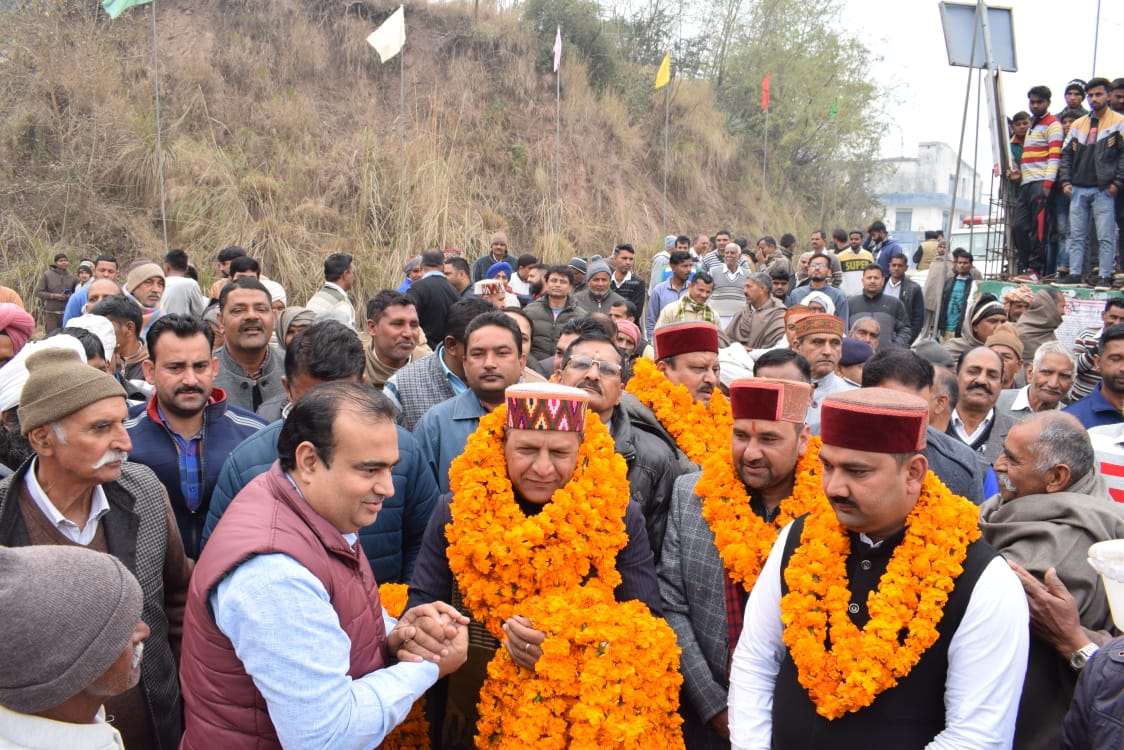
1107	558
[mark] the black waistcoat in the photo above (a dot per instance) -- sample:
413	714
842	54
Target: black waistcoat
907	716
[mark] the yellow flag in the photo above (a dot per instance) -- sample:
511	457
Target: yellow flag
663	77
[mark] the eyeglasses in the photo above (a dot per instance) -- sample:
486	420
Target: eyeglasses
582	364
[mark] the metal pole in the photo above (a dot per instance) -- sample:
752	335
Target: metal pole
159	139
963	126
764	162
558	159
1096	38
975	175
402	149
999	144
666	128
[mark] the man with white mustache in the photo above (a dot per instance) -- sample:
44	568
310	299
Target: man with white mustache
1052	505
1049	379
79	490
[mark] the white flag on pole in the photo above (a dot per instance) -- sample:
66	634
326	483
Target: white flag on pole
558	49
389	38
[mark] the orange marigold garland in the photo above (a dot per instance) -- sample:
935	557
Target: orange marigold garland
699	430
743	539
413	732
910	599
609	674
608	677
501	556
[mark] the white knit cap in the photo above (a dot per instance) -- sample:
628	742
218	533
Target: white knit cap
100	326
276	291
14	374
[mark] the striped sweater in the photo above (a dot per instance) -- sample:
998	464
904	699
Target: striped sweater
1042	151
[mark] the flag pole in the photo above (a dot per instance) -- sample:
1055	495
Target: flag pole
558	159
159	139
389	39
766	85
666	129
402	148
558	142
764	162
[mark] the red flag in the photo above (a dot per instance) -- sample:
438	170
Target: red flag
765	92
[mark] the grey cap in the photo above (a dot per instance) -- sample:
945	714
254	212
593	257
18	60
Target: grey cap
931	350
578	264
68	613
597	265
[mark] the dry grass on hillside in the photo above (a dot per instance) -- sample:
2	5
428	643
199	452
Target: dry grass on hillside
281	134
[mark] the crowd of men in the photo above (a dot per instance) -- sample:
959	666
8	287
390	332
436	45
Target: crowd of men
228	478
1067	175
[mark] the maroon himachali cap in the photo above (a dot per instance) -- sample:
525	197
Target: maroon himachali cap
770	400
874	420
683	338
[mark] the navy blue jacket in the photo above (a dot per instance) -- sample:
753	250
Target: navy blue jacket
224	427
391	543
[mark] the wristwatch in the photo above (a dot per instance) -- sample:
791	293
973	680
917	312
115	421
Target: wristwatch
1082	655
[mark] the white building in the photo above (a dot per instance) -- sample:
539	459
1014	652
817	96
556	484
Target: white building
916	193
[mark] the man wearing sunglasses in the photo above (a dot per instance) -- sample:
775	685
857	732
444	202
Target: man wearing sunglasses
595	365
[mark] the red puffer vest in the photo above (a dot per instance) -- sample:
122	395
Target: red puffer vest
222	707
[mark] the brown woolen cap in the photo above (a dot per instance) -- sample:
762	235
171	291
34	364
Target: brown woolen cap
1005	334
58	384
69	613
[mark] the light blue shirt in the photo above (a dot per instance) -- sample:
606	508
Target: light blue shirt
75	304
279	618
444	431
661	296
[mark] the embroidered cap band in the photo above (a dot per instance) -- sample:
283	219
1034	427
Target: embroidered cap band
875	420
684	338
770	400
819	323
546	406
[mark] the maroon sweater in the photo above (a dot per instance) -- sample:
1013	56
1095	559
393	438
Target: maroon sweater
222	707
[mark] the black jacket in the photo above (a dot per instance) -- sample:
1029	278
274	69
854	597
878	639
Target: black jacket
545	328
1095	716
891	315
913	299
433	296
1099	165
652	471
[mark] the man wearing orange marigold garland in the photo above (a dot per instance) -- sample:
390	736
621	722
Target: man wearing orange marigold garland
881	620
543	435
707	568
687	356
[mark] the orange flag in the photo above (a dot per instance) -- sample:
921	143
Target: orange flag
765	92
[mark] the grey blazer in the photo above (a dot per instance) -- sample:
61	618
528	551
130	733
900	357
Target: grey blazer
692	588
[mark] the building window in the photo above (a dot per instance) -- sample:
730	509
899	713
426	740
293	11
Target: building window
903	218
